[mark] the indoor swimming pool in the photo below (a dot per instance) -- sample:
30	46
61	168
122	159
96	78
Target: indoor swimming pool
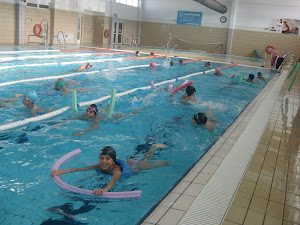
148	115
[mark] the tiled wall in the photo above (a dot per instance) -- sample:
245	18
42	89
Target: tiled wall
8	23
183	36
35	16
244	42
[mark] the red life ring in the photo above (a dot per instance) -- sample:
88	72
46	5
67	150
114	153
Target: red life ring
37	29
106	33
267	49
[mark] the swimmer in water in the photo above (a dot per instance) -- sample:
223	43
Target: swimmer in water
61	85
91	115
190	93
204	120
153	65
137	53
207	64
251	78
82	68
109	164
260	76
218	72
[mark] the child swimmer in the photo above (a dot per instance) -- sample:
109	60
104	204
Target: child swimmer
108	164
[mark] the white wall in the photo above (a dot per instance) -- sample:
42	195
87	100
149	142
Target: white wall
80	5
256	15
164	11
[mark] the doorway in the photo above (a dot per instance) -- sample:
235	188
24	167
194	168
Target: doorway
118	32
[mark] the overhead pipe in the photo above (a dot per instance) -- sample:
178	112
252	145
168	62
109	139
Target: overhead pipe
214	5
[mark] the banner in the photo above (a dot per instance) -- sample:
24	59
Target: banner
285	26
189	18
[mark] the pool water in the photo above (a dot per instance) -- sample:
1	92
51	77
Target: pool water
28	152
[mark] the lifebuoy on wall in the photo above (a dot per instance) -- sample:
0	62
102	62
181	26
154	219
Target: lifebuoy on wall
37	29
106	33
267	49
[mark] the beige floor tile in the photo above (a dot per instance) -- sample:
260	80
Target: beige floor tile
265	180
184	202
294	178
242	199
291	214
255	167
173	216
251	176
275	209
292	200
253	217
267	170
277	196
202	178
269	220
293	188
156	215
262	191
279	184
226	222
280	174
289	223
236	214
181	187
193	189
258	204
247	187
210	168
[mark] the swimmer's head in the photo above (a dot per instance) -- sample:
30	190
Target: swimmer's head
259	74
91	110
190	90
137	52
170	87
181	61
200	118
152	53
109	151
251	76
153	64
217	70
89	65
171	63
207	64
32	95
60	84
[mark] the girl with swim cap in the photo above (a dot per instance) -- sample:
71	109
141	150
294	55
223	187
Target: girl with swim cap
153	65
207	64
109	164
218	72
61	85
190	93
251	78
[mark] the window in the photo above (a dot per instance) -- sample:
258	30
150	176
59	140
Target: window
134	3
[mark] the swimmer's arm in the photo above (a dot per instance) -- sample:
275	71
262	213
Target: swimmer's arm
61	172
66	121
116	175
90	129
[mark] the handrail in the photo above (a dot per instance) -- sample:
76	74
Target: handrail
285	57
63	36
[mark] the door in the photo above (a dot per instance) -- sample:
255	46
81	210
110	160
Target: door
118	32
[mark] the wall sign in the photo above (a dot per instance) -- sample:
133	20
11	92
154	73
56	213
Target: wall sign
189	18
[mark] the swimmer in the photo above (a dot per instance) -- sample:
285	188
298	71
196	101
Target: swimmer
181	62
152	53
82	68
108	165
250	78
207	64
153	65
28	101
171	63
137	53
170	87
260	76
91	116
190	92
61	85
218	72
204	119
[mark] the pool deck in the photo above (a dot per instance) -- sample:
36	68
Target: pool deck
251	175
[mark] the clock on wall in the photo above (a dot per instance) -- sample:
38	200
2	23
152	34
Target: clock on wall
223	19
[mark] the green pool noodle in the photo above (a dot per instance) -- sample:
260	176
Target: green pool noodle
111	103
294	77
292	70
74	101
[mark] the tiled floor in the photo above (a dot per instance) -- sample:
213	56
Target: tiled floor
268	192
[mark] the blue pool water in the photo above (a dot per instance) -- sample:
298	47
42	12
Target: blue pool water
28	152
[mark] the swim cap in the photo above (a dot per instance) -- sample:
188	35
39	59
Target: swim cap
180	61
200	118
94	108
170	87
107	150
190	90
259	74
171	63
89	64
137	52
153	64
61	79
32	95
217	70
60	83
152	53
251	76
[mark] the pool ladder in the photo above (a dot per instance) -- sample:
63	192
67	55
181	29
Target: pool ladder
57	37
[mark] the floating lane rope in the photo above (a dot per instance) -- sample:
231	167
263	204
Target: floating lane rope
111	103
63	185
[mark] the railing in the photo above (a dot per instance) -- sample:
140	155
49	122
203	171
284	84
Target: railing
44	36
57	37
132	40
